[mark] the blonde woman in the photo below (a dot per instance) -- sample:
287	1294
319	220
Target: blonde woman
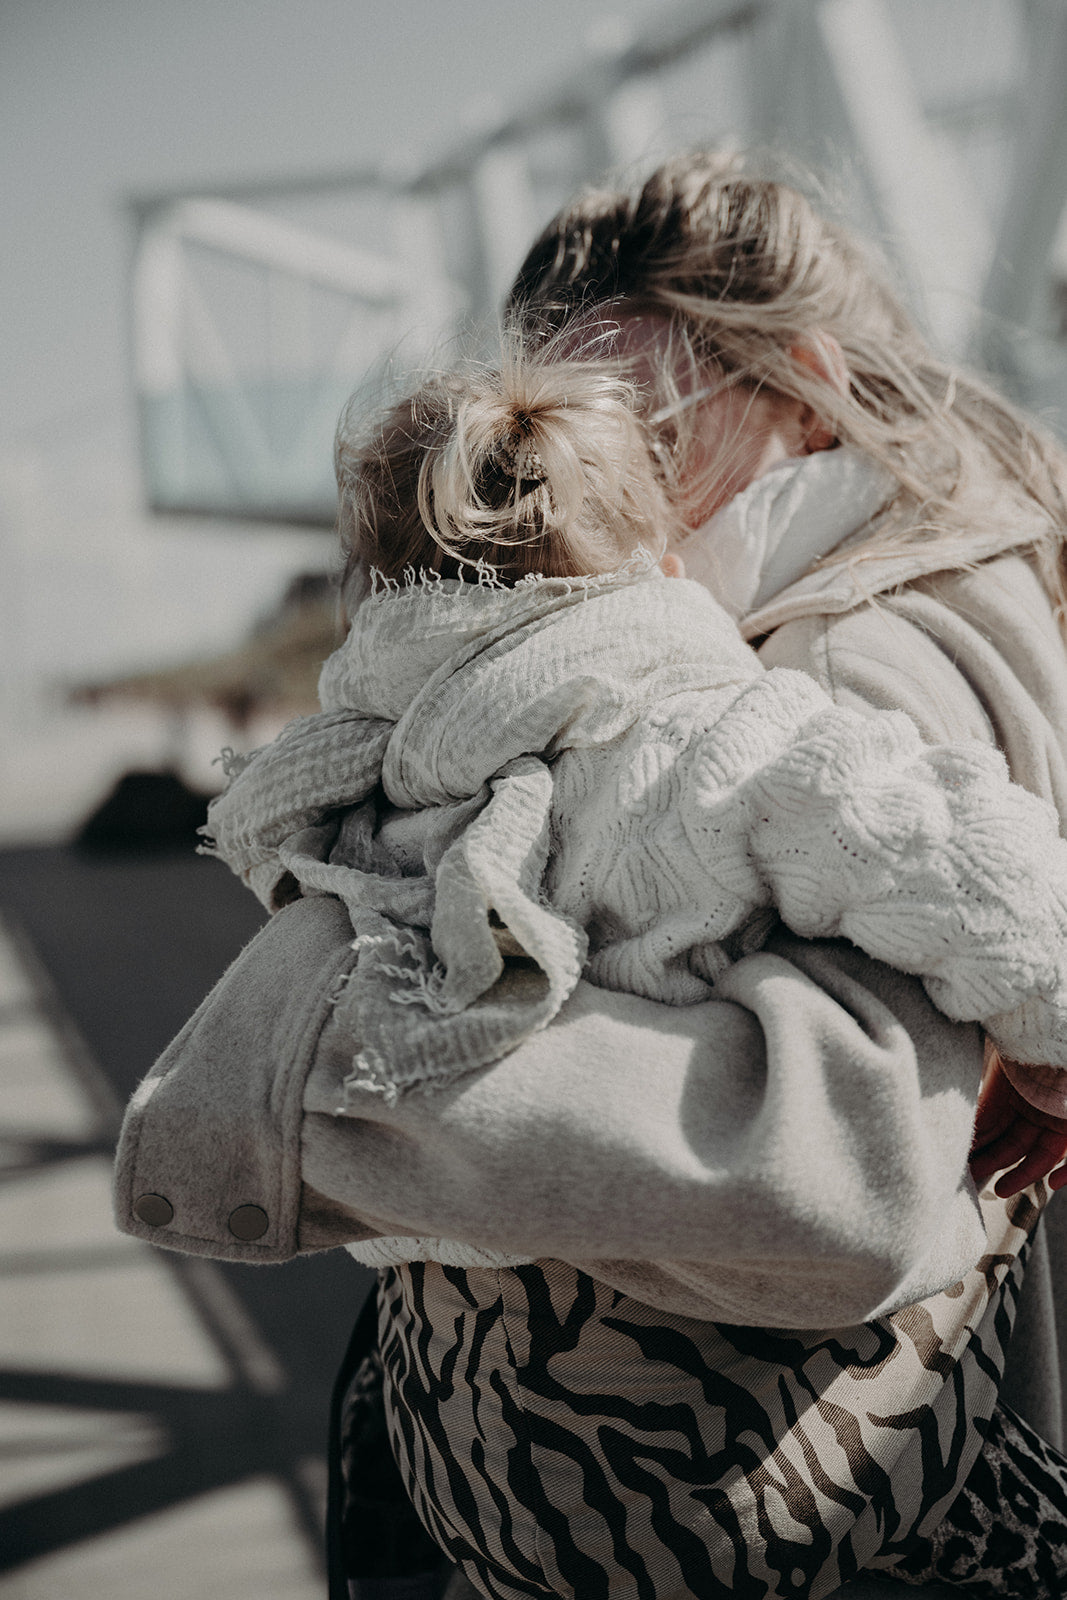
896	530
701	1299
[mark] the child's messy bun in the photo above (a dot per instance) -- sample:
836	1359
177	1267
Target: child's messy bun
537	466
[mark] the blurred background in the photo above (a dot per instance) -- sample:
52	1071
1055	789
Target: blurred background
222	218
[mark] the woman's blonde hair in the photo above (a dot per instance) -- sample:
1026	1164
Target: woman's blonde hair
539	464
749	274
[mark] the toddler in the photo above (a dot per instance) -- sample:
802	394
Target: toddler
543	755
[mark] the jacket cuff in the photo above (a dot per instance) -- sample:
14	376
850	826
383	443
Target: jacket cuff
208	1160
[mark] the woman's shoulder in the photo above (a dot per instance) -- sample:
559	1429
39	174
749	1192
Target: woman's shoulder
967	654
1005	604
877	657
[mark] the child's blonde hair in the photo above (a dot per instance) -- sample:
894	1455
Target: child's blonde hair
749	274
537	465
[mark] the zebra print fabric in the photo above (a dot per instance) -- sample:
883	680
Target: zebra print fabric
558	1437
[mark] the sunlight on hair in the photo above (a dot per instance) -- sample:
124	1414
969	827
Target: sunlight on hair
538	463
746	273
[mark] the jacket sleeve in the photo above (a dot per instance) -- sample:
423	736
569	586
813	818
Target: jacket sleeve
791	1155
794	1155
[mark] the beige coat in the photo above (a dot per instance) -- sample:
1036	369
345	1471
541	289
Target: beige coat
794	1154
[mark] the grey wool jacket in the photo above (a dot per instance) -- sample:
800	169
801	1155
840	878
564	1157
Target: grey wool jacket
791	1154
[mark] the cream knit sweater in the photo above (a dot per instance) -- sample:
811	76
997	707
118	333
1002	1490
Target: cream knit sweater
512	787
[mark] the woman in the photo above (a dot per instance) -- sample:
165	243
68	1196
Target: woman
789	344
792	1157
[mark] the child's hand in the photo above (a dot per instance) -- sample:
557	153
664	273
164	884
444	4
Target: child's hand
1011	1133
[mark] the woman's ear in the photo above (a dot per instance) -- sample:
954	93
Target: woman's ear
821	353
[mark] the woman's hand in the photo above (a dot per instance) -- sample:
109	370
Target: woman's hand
1010	1133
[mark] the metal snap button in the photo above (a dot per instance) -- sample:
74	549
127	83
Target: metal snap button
153	1209
248	1223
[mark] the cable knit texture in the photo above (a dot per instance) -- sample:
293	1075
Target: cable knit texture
600	777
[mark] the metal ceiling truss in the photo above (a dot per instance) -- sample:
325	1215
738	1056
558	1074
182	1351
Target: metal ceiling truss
828	81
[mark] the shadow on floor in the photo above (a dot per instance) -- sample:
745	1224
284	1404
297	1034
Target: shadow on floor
108	955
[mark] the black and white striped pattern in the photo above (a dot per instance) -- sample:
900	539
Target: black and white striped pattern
559	1438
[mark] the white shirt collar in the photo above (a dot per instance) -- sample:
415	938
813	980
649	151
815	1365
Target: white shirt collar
768	536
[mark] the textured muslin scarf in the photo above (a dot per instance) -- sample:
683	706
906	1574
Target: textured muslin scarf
452	699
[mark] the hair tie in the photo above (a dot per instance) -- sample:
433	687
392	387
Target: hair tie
520	460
